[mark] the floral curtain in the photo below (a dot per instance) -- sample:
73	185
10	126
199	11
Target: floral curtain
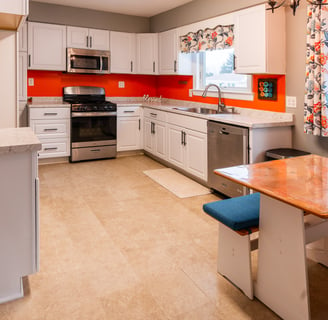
316	90
220	37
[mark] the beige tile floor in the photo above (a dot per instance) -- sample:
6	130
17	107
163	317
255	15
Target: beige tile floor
116	245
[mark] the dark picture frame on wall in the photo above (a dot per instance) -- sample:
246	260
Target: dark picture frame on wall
267	89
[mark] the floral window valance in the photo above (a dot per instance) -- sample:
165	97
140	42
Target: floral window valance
220	37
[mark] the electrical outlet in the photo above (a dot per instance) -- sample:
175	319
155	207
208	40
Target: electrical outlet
121	84
290	102
31	82
190	92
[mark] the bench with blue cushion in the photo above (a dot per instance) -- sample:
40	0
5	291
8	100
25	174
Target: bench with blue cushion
238	218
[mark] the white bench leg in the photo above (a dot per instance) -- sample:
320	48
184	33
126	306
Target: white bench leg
234	259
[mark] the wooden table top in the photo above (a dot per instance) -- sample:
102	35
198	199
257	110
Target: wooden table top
299	181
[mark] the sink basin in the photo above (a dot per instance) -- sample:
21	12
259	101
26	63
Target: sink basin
203	110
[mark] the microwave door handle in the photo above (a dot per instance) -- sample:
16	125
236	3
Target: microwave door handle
101	63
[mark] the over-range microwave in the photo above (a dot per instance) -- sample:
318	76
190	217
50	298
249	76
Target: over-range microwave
88	61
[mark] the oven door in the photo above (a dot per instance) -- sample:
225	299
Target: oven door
93	128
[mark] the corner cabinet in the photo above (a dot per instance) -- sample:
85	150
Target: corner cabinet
129	128
46	46
19	216
187	144
86	38
155	132
168	52
260	41
123	52
147	53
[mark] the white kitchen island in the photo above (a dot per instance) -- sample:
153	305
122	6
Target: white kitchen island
19	212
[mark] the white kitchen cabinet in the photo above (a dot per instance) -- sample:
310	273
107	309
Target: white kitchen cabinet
19	216
22	76
147	53
46	46
187	144
155	132
22	38
123	52
168	52
260	41
52	127
18	7
86	38
129	128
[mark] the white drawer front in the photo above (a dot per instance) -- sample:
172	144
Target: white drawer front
155	114
54	148
49	113
128	111
50	128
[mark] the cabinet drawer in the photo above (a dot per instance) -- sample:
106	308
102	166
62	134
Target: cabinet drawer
155	114
49	113
128	111
50	128
54	148
192	123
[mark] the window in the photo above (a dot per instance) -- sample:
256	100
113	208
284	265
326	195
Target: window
217	66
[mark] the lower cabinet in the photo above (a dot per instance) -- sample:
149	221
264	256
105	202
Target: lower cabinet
19	220
187	149
155	137
129	128
52	127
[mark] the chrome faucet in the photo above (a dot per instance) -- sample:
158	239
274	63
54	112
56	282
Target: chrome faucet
221	105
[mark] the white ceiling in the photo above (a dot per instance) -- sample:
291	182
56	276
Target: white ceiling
142	8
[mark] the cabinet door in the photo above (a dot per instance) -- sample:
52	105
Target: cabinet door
98	39
22	38
123	52
77	37
147	53
22	76
260	41
19	7
196	153
47	46
168	49
159	129
175	150
148	135
128	133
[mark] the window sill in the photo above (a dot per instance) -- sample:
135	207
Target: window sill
249	96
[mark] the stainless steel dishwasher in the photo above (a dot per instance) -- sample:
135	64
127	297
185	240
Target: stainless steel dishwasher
227	147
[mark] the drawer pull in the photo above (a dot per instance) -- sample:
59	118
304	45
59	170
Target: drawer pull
95	150
50	114
128	111
49	149
153	114
50	129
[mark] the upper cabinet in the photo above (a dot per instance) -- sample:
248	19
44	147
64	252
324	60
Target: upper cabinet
13	13
147	53
85	38
260	41
46	46
123	52
168	52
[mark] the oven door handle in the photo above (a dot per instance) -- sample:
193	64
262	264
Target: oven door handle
93	114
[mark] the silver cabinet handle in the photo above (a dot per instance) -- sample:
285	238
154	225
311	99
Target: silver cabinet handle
87	41
90	42
175	66
29	60
154	66
95	150
50	114
50	129
128	111
48	149
182	137
139	124
131	66
153	114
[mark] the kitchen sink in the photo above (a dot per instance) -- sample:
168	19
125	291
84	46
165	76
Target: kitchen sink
204	110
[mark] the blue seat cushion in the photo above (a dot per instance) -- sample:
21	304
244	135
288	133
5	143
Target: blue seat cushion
236	213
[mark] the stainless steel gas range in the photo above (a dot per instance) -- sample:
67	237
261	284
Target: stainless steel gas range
93	123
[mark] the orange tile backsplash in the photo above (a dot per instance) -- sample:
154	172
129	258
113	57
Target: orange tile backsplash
51	83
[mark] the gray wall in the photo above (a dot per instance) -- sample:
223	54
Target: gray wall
50	13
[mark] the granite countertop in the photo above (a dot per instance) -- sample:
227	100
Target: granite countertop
17	140
250	118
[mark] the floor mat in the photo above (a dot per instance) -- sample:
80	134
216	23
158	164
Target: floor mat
180	185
